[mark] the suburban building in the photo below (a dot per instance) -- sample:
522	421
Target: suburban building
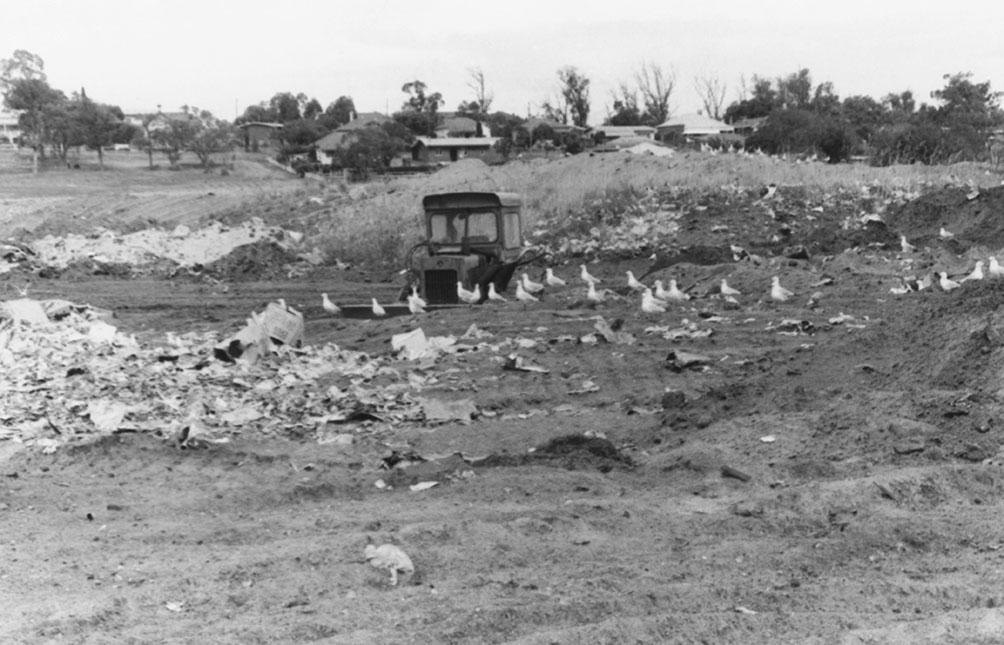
462	127
611	132
10	130
558	128
159	121
344	136
747	127
260	134
691	126
447	149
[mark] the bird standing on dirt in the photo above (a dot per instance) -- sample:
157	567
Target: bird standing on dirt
390	558
493	294
530	285
777	292
592	295
523	295
470	297
674	293
633	282
995	270
586	276
905	246
650	304
945	234
977	273
415	304
946	283
552	280
726	290
378	311
417	298
329	306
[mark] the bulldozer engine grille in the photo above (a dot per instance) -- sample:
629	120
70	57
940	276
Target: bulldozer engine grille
441	287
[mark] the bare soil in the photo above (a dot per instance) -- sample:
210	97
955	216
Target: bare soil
807	481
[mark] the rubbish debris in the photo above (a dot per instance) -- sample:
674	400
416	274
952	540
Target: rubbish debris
679	360
517	364
611	332
587	387
792	327
414	345
391	558
24	310
729	471
420	486
437	411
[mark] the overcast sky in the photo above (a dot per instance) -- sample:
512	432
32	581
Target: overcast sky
224	56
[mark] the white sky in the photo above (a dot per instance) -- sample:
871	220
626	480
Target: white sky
217	55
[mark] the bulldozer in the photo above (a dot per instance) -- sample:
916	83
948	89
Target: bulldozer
474	238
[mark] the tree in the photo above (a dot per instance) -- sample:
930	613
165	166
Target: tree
37	101
795	90
144	137
312	109
483	98
575	92
176	135
338	113
211	136
864	114
286	106
22	65
98	125
712	94
372	149
656	86
625	108
420	112
261	113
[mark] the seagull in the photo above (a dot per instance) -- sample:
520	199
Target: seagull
494	295
378	311
523	295
660	291
329	306
470	297
995	270
389	557
977	273
726	290
417	298
592	295
633	282
552	280
415	304
768	191
777	292
947	284
945	234
899	290
650	304
530	285
905	246
674	293
586	276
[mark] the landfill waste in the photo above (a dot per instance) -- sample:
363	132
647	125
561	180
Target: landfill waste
516	363
390	558
414	345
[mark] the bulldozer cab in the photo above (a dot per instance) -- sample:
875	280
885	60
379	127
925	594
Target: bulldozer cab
484	223
473	238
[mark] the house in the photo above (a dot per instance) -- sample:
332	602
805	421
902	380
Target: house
446	149
747	127
343	136
159	120
260	134
10	128
533	124
691	126
611	132
462	127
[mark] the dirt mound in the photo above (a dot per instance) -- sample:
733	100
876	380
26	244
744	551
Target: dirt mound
975	220
572	451
261	260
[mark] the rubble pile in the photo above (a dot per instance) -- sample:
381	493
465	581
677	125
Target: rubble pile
78	376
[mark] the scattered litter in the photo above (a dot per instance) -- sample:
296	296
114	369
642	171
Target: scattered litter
420	486
437	411
414	345
587	387
518	364
768	438
744	610
24	310
611	332
729	471
174	606
390	558
688	330
476	333
792	327
679	360
841	319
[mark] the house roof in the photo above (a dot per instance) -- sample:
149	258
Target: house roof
459	124
456	142
696	124
536	122
334	140
611	131
366	119
264	124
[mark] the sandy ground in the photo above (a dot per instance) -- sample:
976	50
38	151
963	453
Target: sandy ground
828	480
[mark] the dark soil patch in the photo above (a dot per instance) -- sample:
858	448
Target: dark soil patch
261	260
976	221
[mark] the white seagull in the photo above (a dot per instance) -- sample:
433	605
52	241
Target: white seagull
675	293
726	290
633	282
946	283
660	291
530	285
389	557
552	280
417	298
592	295
905	246
494	295
586	276
650	304
777	292
523	295
378	311
977	273
415	304
995	270
470	297
945	234
329	306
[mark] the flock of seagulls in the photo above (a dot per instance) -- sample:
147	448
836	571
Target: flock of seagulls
982	270
654	299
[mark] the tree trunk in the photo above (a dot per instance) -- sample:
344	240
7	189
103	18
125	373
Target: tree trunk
101	157
34	160
149	154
